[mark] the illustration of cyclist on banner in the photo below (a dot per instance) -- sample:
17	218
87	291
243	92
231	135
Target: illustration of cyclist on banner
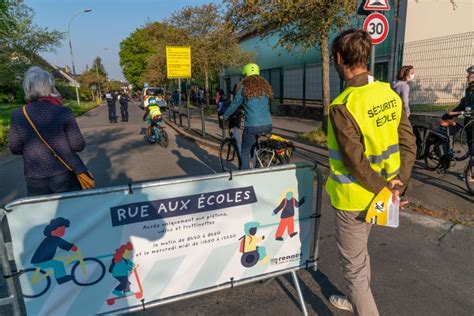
44	255
251	252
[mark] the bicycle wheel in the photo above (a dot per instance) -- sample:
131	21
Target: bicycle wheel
95	271
39	288
420	133
463	142
460	147
469	177
434	153
163	138
229	155
149	136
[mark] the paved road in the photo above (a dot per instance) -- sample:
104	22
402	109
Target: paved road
423	268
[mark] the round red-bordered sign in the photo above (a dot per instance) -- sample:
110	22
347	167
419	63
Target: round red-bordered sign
376	25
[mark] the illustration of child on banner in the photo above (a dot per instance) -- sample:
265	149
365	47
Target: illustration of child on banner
121	268
287	208
251	252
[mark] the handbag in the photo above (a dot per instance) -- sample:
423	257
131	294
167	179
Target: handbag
86	180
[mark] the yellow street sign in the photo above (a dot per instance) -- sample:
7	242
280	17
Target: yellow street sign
178	62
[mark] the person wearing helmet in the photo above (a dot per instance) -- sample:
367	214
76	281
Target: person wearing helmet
254	94
465	106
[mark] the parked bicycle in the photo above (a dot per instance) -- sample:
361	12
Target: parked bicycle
156	133
440	148
270	150
84	272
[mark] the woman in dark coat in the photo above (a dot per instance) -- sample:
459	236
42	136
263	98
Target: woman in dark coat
44	173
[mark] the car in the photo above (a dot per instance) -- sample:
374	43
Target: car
156	93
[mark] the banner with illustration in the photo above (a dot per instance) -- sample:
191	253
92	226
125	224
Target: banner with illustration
118	249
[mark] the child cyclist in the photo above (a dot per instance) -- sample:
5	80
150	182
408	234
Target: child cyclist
153	114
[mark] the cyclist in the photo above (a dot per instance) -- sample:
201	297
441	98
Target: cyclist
466	104
254	93
153	113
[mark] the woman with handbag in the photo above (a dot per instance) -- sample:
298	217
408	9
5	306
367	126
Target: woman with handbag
47	135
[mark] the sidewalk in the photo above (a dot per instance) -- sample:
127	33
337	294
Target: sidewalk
439	195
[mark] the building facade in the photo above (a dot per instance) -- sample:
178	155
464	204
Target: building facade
296	76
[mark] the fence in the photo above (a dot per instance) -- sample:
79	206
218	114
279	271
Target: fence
440	67
217	230
296	85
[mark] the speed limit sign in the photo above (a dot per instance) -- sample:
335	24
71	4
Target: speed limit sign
376	25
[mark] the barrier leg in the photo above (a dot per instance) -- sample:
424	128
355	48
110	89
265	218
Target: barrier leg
300	294
317	227
13	293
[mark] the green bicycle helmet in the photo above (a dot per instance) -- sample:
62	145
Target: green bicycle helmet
251	70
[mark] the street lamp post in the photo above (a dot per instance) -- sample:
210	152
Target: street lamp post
72	56
98	80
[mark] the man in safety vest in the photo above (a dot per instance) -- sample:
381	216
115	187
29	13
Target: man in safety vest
371	146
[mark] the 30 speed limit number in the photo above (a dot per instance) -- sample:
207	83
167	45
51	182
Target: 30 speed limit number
376	25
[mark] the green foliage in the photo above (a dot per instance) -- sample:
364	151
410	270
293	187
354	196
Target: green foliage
20	43
299	24
7	108
98	67
316	136
66	91
143	53
212	39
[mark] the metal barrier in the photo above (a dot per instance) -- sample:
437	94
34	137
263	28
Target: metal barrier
143	195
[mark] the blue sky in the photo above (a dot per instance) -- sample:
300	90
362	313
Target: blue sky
100	32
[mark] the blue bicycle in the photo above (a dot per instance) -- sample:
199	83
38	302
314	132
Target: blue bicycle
155	133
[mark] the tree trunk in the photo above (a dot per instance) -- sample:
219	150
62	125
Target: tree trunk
206	87
324	47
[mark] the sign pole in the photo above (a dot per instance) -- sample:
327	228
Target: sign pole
372	59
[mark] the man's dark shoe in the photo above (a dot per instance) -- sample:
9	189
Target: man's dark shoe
64	279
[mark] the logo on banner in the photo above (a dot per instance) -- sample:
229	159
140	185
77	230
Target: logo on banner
377	5
376	25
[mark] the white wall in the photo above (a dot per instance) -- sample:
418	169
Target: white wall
435	18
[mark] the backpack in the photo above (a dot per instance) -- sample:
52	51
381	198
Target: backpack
242	244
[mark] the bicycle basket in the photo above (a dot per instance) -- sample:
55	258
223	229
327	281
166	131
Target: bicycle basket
234	120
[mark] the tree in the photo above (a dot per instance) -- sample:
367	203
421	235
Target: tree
143	53
213	42
20	43
94	78
300	24
98	67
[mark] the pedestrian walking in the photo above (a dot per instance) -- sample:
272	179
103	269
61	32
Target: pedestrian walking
254	93
45	115
124	99
111	98
405	74
371	146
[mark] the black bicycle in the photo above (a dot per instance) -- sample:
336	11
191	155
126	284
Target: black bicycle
440	148
269	150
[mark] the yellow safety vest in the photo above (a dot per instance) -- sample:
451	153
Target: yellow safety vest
154	110
377	110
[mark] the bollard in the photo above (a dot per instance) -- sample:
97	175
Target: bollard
189	117
203	123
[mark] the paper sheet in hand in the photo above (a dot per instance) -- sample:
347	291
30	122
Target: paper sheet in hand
383	211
